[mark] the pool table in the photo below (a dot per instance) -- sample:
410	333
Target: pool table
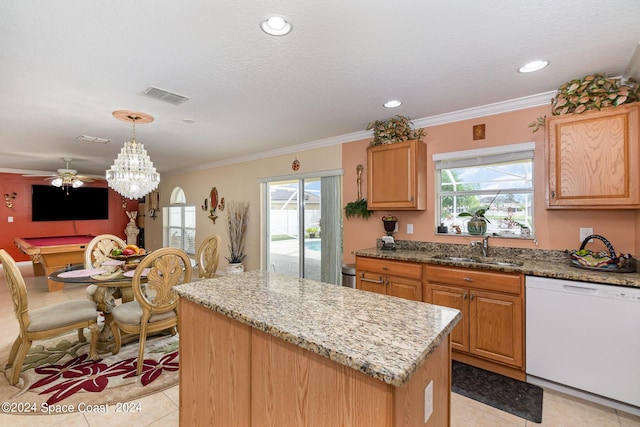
49	254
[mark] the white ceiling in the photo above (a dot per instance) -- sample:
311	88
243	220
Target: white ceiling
66	65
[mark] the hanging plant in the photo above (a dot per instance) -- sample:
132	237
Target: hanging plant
357	209
396	129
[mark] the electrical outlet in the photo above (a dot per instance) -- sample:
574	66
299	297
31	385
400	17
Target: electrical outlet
10	219
409	228
428	401
584	233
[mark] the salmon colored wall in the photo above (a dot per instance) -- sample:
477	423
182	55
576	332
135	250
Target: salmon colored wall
22	226
554	229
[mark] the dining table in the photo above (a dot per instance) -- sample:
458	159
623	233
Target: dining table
112	284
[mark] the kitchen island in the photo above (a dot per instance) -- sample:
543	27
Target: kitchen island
260	348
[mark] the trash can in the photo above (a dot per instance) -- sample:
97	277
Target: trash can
349	275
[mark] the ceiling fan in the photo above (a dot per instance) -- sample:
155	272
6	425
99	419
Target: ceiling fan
68	177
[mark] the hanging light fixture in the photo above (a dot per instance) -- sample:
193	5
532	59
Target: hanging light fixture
132	174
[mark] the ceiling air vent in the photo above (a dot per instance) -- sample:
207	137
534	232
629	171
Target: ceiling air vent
164	95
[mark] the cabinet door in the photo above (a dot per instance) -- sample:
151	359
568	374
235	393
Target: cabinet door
454	297
396	176
372	282
496	327
592	159
404	288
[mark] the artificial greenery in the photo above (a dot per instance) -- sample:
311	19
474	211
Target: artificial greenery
357	209
593	92
396	129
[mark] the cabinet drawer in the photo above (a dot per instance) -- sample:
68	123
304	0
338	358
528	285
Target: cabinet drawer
480	279
409	270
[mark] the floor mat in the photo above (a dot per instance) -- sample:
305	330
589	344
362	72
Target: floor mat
516	397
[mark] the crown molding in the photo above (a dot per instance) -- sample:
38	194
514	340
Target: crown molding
525	102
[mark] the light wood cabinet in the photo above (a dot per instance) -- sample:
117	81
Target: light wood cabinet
491	333
593	159
396	176
397	278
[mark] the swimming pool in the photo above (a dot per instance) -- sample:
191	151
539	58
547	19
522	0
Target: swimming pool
312	245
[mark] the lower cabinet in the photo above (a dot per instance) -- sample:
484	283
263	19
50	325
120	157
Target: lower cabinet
397	278
491	333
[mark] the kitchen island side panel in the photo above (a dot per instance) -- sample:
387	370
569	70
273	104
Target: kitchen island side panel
239	376
215	368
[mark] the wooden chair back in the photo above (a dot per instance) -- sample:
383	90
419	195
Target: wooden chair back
208	256
168	267
99	248
18	290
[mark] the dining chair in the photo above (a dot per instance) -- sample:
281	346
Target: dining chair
97	252
208	256
46	322
155	307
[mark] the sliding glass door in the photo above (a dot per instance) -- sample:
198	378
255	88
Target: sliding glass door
303	238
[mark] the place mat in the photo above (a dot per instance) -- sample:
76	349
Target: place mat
130	273
507	394
85	272
113	262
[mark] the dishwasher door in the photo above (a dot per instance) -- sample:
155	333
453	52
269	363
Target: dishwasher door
585	336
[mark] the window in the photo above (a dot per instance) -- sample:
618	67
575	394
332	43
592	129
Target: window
499	180
179	228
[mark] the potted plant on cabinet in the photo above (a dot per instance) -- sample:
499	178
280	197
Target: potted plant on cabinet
237	220
396	129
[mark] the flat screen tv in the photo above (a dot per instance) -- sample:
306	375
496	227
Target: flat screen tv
49	203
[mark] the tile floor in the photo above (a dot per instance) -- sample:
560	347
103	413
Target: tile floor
161	409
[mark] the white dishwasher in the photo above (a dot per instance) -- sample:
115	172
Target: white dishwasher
585	336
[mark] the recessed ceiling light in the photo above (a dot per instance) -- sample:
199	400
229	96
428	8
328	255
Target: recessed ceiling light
275	25
392	104
533	66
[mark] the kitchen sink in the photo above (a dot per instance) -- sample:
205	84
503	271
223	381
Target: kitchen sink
455	258
498	262
502	263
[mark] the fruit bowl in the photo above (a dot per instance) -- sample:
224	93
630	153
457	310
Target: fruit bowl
608	260
127	257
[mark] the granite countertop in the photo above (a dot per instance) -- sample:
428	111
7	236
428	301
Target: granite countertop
384	337
535	262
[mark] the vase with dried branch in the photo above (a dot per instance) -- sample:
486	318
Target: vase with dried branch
237	219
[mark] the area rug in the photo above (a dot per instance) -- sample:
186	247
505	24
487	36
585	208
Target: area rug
516	397
59	372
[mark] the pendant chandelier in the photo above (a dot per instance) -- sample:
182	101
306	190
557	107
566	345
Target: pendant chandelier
132	174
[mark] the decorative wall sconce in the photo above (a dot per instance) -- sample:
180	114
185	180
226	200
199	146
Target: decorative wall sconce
9	198
154	203
212	204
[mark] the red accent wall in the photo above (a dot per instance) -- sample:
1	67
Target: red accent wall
22	226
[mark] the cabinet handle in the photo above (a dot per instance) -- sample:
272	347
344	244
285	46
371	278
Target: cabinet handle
468	279
384	267
553	194
464	296
380	282
472	297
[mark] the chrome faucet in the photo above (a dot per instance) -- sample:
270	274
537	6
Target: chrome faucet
484	245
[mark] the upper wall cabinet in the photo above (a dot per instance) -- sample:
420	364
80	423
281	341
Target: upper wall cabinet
397	176
593	159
